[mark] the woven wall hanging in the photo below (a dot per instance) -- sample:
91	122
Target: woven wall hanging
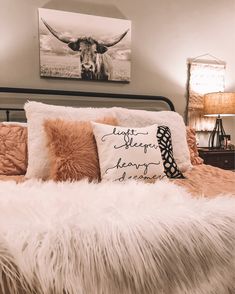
205	76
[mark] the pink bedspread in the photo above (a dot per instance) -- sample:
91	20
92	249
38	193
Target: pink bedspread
17	179
203	180
209	181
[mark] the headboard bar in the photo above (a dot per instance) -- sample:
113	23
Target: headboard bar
87	94
8	110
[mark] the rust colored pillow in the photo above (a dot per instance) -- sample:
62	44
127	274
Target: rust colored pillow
72	149
13	149
192	145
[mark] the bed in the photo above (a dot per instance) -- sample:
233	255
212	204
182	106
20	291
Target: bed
80	221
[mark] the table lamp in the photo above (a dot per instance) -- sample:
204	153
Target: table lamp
218	104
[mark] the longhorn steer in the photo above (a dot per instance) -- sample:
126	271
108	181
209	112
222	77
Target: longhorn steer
95	64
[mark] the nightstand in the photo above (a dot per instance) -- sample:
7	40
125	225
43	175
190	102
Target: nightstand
218	157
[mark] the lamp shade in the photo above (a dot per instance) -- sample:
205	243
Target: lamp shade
219	103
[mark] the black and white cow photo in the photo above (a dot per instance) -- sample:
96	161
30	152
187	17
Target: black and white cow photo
87	47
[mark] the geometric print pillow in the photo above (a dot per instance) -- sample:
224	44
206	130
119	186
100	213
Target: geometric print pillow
165	145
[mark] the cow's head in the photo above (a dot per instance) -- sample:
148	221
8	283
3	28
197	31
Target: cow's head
88	48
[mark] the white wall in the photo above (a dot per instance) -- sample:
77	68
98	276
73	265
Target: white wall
165	33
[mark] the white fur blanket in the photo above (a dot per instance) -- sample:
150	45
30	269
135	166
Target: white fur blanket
111	238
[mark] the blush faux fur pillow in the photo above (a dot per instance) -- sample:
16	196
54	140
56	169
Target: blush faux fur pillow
37	113
72	149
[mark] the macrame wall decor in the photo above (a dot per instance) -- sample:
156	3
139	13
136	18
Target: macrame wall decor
205	76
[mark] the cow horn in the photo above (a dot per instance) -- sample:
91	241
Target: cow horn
59	36
114	40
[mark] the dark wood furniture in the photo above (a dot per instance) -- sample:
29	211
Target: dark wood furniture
218	157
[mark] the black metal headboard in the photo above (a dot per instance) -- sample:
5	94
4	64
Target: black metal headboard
81	94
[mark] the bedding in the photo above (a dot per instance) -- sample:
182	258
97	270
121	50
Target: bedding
72	149
36	113
175	122
13	149
128	153
208	181
116	238
17	179
165	144
8	123
201	181
174	236
192	145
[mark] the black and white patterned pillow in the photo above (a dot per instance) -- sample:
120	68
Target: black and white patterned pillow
165	145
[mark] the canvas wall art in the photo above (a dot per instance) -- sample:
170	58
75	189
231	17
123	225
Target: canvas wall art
86	47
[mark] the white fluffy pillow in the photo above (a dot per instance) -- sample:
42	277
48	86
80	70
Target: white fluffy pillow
171	119
36	113
128	153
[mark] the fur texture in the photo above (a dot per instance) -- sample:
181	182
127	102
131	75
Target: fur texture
111	238
36	113
11	278
72	149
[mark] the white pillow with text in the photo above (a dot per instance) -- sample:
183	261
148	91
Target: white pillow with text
128	153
